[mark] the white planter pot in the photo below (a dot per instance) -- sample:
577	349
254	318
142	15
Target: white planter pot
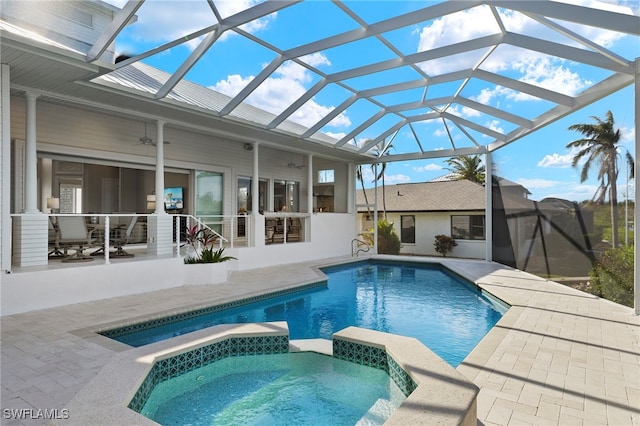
204	273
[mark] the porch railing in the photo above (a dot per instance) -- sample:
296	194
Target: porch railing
231	230
283	228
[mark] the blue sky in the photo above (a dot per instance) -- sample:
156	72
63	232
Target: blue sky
539	161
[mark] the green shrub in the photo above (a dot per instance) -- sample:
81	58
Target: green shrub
612	277
388	240
444	244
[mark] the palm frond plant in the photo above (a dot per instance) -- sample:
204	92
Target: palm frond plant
468	167
600	146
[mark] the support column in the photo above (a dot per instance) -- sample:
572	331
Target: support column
636	214
31	157
257	230
30	230
488	208
351	191
160	226
310	184
375	209
160	168
5	168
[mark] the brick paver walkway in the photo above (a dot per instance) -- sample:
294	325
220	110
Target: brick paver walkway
559	356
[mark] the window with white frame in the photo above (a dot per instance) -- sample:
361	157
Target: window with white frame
325	176
467	227
408	229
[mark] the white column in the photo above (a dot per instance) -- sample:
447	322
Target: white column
488	208
5	166
351	191
30	236
160	225
636	215
160	168
257	230
31	157
310	184
375	209
255	182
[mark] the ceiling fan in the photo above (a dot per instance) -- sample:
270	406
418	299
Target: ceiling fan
146	140
292	164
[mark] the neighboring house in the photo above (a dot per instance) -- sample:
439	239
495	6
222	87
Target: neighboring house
526	232
420	211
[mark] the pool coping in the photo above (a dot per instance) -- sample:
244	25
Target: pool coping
442	395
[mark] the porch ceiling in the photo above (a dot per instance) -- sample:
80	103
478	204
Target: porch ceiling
383	85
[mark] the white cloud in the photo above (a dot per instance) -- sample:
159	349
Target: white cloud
537	183
559	161
397	178
163	21
627	134
550	74
336	135
440	132
428	168
283	88
534	68
495	126
556	160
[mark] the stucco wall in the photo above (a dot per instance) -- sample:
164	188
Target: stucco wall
430	224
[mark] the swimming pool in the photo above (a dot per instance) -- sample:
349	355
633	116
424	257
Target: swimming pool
421	300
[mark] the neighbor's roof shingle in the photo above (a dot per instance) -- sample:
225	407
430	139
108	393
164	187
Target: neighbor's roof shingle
428	196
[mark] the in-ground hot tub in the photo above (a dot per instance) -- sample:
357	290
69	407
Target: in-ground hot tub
434	390
276	389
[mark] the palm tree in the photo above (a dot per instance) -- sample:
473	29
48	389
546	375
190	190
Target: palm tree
467	167
600	145
360	177
381	150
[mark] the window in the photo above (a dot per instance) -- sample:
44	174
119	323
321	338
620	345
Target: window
325	176
467	227
286	196
208	191
408	229
244	195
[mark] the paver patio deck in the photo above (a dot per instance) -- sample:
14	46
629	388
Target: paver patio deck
558	356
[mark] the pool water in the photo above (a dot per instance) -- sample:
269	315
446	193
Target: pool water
425	301
276	389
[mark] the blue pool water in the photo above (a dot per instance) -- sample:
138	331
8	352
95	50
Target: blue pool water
276	389
425	301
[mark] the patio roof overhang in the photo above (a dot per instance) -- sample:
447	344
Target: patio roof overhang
441	84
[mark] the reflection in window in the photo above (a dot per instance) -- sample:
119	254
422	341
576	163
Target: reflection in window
286	196
244	195
408	229
467	227
208	193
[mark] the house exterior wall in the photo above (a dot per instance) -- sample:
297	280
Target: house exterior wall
430	224
65	132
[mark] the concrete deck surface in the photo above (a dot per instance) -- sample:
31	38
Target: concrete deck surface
559	356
